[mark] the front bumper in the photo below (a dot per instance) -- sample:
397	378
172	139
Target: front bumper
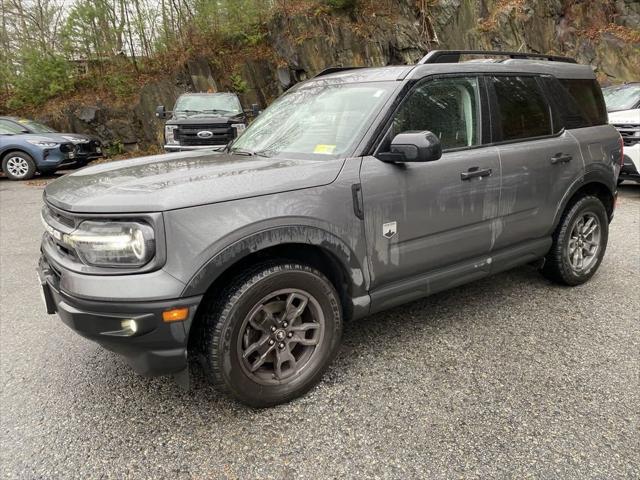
54	157
631	166
186	148
155	348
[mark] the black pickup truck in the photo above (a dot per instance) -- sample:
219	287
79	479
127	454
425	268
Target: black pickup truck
203	120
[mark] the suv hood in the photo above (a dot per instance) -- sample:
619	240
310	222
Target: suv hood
204	119
186	179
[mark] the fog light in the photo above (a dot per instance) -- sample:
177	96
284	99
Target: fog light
129	325
175	314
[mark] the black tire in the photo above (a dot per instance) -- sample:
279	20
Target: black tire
231	323
558	266
18	166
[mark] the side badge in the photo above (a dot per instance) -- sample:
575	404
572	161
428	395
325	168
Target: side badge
390	229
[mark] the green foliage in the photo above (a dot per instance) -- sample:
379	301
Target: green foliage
115	148
345	5
120	83
238	84
41	77
236	20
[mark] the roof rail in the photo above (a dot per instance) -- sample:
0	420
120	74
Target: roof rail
329	70
453	56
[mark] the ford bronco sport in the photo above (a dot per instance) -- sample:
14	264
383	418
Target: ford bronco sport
356	191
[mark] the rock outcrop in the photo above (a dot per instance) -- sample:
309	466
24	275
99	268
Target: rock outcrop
603	34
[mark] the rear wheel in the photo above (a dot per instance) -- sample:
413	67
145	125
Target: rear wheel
18	166
579	243
271	334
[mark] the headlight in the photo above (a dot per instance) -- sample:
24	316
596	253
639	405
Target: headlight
76	139
113	244
170	135
240	127
43	143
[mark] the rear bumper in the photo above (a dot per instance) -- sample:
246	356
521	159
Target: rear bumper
155	348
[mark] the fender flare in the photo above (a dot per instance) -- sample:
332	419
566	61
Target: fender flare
300	234
601	176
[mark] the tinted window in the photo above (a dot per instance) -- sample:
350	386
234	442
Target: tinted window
567	112
522	109
588	98
446	107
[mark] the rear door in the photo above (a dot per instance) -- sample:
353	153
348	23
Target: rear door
421	217
539	159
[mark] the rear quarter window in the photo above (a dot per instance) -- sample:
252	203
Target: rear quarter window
588	99
522	109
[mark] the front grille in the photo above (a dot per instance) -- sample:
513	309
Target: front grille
49	213
221	134
630	133
87	147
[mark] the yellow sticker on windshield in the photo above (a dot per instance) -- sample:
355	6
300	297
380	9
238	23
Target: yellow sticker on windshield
326	149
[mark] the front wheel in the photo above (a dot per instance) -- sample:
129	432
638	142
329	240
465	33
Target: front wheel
18	166
269	337
579	243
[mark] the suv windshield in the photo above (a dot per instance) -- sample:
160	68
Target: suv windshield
622	97
319	121
222	103
36	127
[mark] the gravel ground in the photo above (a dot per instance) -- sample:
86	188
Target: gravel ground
506	377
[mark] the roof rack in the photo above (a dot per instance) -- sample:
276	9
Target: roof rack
329	70
453	56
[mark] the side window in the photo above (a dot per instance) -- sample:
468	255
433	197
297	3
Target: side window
567	112
522	109
447	107
588	96
10	127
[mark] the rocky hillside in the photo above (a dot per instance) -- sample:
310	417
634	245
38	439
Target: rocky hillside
297	43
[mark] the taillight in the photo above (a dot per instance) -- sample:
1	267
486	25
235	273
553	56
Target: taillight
621	151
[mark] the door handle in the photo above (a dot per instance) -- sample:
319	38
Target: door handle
561	158
475	172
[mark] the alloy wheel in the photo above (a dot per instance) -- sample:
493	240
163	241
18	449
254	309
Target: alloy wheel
584	242
280	336
17	166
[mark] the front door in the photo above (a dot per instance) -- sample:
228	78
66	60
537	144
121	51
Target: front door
425	217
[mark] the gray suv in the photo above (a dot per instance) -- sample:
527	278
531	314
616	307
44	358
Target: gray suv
356	191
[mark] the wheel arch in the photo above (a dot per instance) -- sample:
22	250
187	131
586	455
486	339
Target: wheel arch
591	185
9	151
313	246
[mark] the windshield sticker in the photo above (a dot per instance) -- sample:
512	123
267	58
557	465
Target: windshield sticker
325	149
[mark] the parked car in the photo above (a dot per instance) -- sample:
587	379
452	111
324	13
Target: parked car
623	105
202	121
22	155
356	191
88	148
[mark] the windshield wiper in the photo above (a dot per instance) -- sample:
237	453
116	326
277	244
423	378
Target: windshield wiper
215	110
188	111
240	151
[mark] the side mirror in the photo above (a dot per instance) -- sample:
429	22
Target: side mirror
255	109
161	112
413	147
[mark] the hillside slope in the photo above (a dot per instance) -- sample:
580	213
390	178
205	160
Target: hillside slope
297	43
